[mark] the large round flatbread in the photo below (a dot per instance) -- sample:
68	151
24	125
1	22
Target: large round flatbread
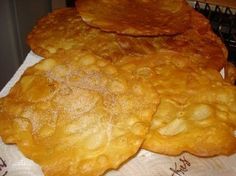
137	17
78	114
64	29
197	111
197	114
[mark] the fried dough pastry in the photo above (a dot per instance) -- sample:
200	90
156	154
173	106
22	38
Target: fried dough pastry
197	112
63	29
78	114
136	17
199	40
230	75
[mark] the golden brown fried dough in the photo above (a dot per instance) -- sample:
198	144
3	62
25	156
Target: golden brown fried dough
230	71
197	112
77	114
201	41
63	29
136	17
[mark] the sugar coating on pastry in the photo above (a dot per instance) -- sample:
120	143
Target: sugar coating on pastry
64	29
78	114
197	110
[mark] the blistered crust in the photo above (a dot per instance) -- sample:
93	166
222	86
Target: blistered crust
77	114
201	41
230	73
197	110
197	114
137	17
64	29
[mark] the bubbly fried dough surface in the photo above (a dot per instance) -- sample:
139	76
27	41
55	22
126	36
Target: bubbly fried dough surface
199	40
136	17
197	112
63	29
230	75
78	114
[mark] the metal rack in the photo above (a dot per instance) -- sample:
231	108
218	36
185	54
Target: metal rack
223	21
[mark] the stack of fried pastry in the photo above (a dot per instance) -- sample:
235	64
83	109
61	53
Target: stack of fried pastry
117	76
